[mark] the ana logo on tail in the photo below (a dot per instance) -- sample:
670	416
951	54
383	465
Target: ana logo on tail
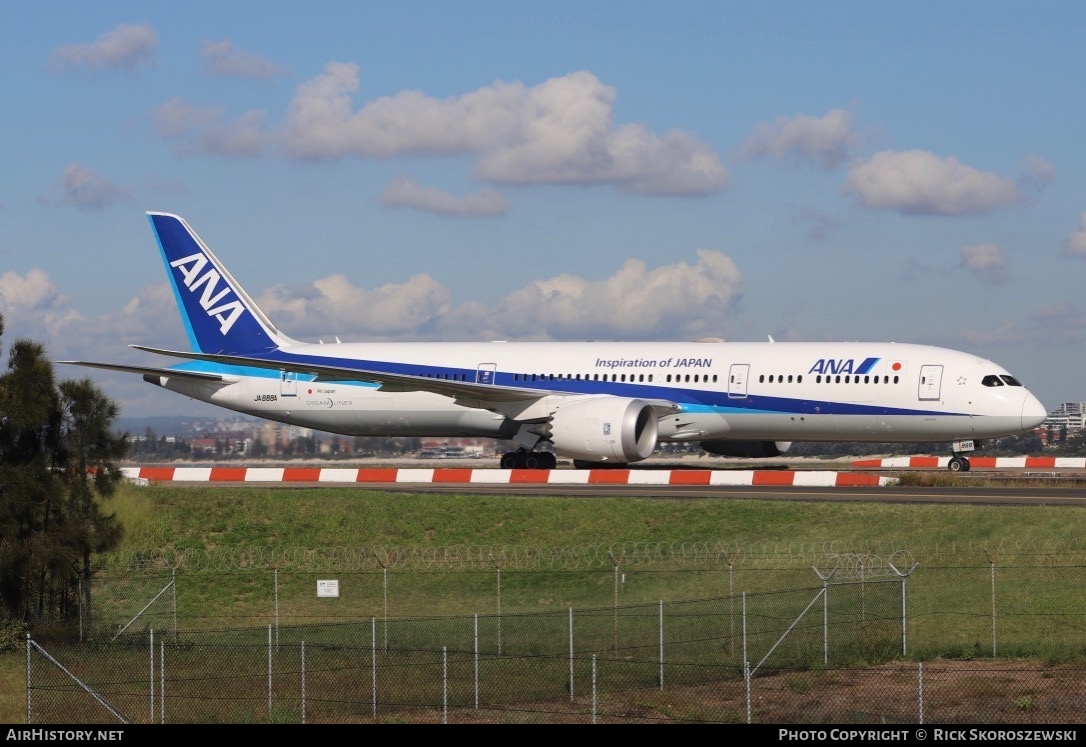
191	268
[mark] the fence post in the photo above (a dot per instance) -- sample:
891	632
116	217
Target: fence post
920	678
373	662
498	569
162	681
29	703
904	617
173	577
270	669
152	652
571	654
303	682
731	601
661	644
384	603
593	688
444	684
825	613
863	597
746	679
476	661
276	592
992	564
744	609
617	562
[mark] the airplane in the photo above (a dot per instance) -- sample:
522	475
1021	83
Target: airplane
598	403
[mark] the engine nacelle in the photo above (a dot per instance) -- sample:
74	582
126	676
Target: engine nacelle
749	449
605	429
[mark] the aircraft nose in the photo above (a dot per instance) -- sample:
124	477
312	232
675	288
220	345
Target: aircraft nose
1033	412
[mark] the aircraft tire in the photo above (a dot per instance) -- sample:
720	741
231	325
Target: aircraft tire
957	464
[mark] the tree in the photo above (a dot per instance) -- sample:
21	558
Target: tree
58	463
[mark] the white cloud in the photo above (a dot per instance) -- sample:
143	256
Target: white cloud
127	46
403	192
221	58
82	187
199	130
917	182
334	306
679	301
33	307
987	261
558	132
1076	240
825	142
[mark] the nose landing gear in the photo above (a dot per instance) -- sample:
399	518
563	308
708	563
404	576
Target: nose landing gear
959	463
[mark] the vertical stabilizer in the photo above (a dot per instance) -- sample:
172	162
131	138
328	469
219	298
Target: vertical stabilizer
219	315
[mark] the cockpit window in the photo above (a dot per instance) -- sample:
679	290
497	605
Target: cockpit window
991	380
1011	381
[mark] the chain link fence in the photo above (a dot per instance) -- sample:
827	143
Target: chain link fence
622	637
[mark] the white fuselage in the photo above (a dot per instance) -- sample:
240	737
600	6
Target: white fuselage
774	391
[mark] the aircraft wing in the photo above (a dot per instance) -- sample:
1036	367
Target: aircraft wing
465	392
173	373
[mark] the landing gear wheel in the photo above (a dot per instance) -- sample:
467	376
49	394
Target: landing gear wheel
524	459
958	464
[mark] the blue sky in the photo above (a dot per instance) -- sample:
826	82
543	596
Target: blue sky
909	172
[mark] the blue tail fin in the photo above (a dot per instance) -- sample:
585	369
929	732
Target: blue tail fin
218	314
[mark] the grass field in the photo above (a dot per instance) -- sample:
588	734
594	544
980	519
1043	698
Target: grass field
950	540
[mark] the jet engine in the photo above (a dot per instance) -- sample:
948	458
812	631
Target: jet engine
748	449
604	429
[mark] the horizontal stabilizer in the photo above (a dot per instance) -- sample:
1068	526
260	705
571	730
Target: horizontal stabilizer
147	371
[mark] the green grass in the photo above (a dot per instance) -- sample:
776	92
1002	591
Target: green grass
948	542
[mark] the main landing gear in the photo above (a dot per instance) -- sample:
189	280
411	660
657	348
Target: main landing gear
524	459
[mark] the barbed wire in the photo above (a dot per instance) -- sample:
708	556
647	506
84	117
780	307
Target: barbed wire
869	558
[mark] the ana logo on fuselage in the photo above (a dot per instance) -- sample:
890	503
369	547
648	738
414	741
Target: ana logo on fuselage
211	302
843	366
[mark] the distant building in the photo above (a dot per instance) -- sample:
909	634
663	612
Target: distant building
1069	417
